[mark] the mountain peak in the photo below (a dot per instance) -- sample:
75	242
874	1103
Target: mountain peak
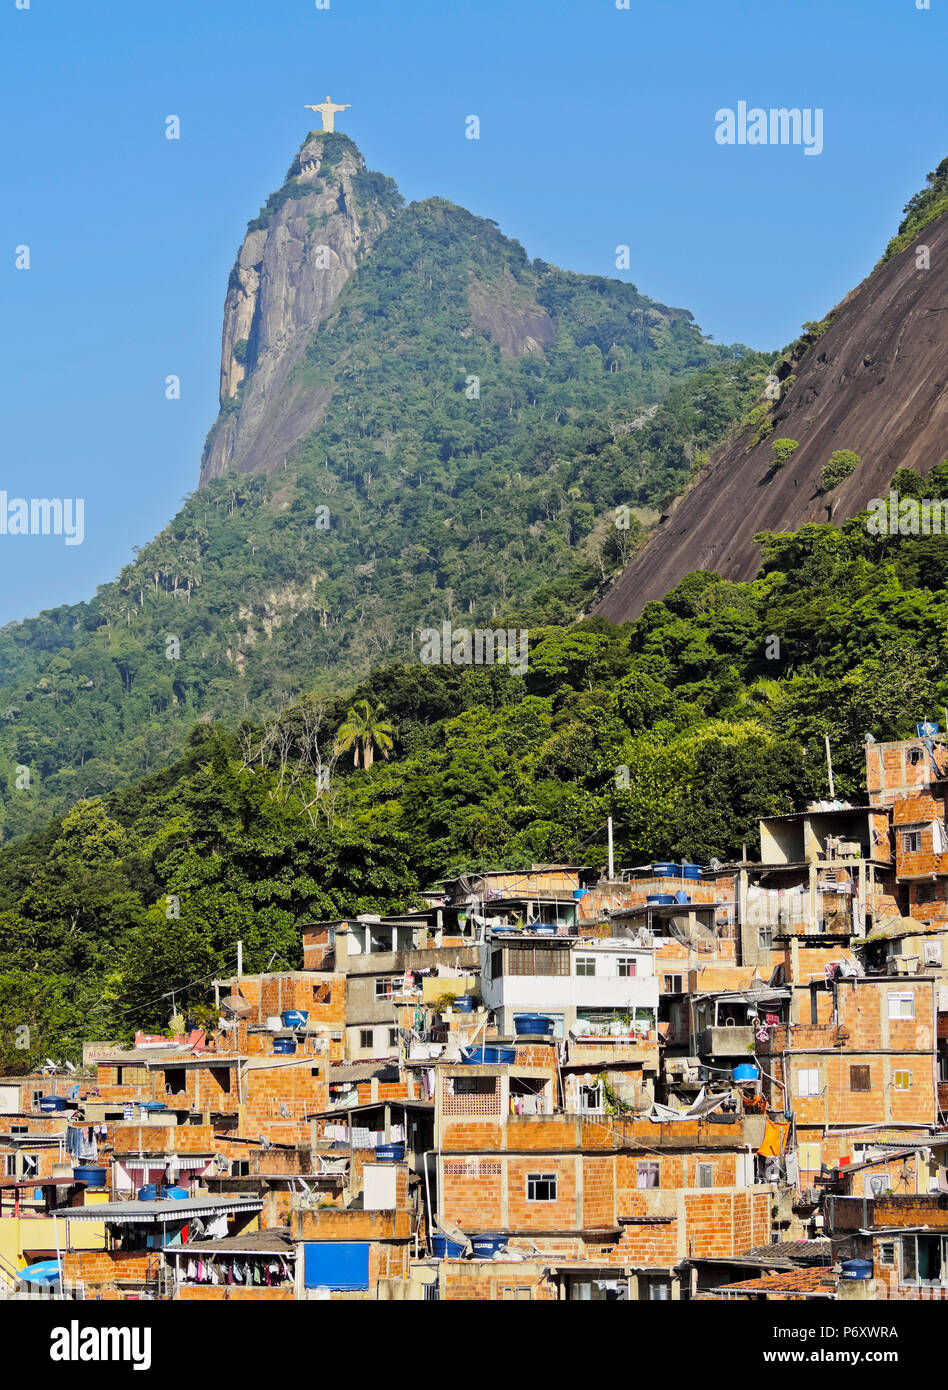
298	253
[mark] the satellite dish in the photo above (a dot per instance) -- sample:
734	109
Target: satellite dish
868	738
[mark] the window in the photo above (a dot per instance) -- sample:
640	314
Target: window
590	1097
859	1079
765	937
647	1174
386	986
131	1076
923	1259
887	1253
175	1081
474	1085
496	964
586	965
393	1037
672	984
626	967
808	1081
932	952
221	1075
9	1165
366	1037
925	892
519	1294
901	1005
704	1175
537	960
541	1187
911	841
599	1290
902	1080
809	1157
240	1168
655	1289
30	1165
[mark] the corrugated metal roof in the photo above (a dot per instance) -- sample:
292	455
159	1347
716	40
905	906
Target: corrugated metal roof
275	1241
360	1071
142	1212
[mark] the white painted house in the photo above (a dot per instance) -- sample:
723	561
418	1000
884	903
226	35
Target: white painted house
601	985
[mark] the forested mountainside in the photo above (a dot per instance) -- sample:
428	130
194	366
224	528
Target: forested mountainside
456	426
868	383
686	726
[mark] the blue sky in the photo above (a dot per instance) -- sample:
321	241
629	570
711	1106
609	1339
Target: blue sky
597	129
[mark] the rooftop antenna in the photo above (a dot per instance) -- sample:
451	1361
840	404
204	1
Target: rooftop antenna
829	766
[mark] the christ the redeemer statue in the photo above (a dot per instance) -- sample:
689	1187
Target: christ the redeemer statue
327	109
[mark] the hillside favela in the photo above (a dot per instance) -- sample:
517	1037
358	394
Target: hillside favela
492	843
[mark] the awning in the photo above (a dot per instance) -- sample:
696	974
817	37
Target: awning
145	1165
146	1213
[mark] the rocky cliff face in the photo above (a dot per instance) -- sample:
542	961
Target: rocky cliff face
293	263
875	383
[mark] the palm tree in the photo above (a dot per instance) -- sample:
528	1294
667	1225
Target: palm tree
364	729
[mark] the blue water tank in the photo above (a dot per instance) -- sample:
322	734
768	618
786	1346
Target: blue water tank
284	1045
492	1056
295	1018
856	1269
661	899
445	1249
691	871
390	1153
665	871
177	1193
745	1071
463	1004
486	1246
50	1104
682	897
91	1176
533	1025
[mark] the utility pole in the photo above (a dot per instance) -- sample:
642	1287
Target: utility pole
612	868
829	764
240	959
